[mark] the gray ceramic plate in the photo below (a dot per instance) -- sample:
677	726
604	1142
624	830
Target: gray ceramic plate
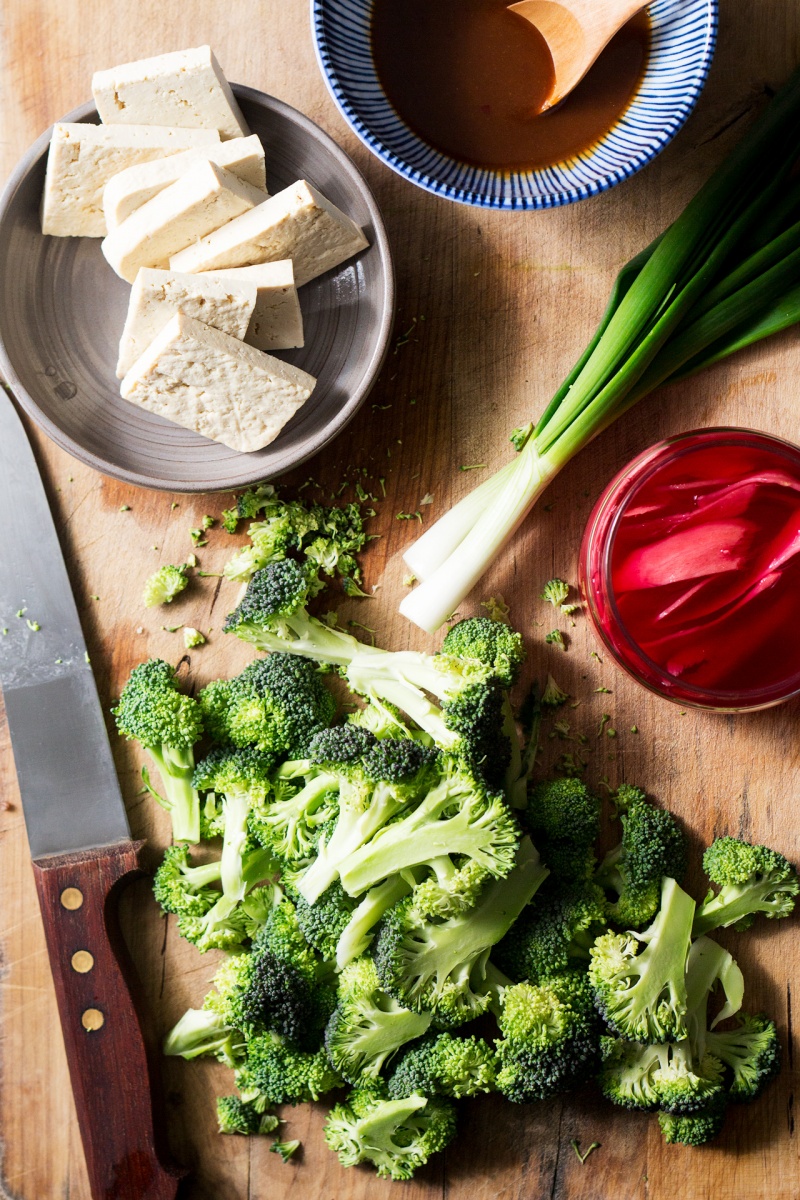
62	309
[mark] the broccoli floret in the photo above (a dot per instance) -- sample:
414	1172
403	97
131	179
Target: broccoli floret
153	712
493	643
555	592
183	889
285	1149
324	922
478	716
450	890
751	879
441	968
277	704
554	934
372	790
458	817
202	1032
234	1116
289	990
550	1039
275	1073
241	778
163	586
752	1053
563	817
230	923
696	1129
396	1136
443	1065
272	616
668	1076
368	1027
639	978
685	1076
552	696
653	845
289	821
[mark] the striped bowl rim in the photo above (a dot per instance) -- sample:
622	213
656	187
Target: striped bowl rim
684	36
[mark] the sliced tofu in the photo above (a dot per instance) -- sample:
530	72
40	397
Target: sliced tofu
277	322
209	382
156	296
205	198
82	159
124	193
297	223
185	88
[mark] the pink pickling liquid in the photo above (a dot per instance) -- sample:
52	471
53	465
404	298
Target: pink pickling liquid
691	569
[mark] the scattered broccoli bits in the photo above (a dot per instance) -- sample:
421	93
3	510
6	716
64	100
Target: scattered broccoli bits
382	881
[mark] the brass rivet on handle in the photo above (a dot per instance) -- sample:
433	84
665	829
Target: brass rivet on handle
71	898
92	1019
82	961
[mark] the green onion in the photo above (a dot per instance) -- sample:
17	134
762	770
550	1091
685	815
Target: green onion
708	286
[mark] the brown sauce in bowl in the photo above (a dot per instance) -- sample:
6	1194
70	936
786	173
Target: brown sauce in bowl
470	78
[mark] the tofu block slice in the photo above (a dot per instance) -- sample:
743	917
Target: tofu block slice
210	382
205	198
225	304
82	159
124	193
297	223
277	322
185	88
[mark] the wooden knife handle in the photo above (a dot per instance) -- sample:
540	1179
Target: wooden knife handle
112	1064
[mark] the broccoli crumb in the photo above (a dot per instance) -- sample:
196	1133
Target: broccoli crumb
583	1157
285	1149
192	637
555	592
556	638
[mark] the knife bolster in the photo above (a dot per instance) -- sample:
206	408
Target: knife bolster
113	1060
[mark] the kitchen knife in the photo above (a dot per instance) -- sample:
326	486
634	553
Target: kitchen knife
79	839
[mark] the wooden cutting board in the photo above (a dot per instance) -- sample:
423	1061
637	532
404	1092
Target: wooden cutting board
493	308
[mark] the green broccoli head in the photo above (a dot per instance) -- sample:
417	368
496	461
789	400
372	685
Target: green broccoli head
323	922
233	772
277	704
563	817
230	984
275	1073
341	746
274	593
441	968
639	978
164	585
396	1136
550	1040
368	1027
183	889
152	711
290	821
668	1076
553	934
443	1065
492	643
751	1052
476	715
653	845
751	879
696	1129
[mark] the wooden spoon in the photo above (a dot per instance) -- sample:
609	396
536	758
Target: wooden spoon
576	32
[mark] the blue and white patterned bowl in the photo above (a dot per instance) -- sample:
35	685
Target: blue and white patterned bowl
683	39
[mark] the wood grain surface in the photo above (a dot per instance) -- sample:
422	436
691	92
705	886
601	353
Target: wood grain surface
496	308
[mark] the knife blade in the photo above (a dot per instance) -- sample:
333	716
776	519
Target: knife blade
79	839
